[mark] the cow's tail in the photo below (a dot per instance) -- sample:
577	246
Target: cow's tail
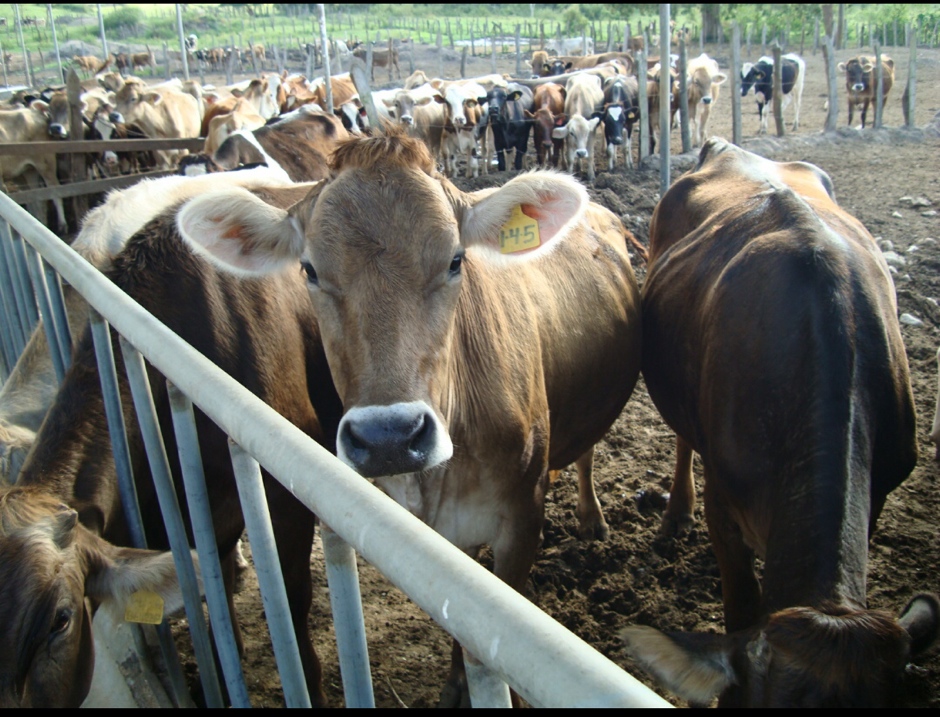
640	249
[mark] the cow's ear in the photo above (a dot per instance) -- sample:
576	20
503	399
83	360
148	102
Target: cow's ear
719	79
114	574
568	66
696	667
154	98
561	120
241	233
427	100
526	216
560	132
482	100
593	122
39	106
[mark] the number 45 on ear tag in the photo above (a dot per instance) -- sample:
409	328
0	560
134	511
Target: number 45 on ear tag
520	233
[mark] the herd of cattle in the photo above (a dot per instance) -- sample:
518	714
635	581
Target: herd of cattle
448	345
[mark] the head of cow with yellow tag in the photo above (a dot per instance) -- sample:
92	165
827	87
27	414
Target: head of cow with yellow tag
388	247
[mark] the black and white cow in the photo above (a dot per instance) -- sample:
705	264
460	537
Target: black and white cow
506	117
621	111
760	76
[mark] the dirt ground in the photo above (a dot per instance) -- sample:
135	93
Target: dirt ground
636	577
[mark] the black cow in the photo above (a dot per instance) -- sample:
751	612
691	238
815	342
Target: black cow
621	110
760	76
506	117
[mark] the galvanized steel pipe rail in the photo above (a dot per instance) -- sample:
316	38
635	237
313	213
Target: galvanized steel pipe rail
545	663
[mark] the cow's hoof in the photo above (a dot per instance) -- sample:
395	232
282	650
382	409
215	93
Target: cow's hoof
675	526
593	529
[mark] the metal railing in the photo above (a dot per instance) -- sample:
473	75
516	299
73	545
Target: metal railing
515	642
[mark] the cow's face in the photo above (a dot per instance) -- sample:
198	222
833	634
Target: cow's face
703	80
50	567
858	74
386	249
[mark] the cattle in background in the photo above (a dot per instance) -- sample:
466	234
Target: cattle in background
415	79
860	82
462	115
549	104
584	98
221	126
705	79
771	346
428	338
506	119
636	43
380	58
245	327
760	76
32	124
107	124
621	111
160	112
256	95
538	63
399	105
652	96
140	60
90	64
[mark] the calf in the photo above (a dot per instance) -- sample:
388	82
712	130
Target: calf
652	95
771	346
549	103
462	114
32	124
704	82
160	112
860	83
466	373
583	100
380	58
621	111
140	60
506	118
760	76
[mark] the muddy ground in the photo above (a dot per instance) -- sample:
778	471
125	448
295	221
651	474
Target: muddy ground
636	577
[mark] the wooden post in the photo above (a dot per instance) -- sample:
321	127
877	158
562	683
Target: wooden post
493	50
815	36
326	59
78	172
6	82
179	30
518	53
389	63
55	42
829	57
610	36
644	130
763	39
463	62
440	55
909	104
473	43
370	58
747	35
361	81
879	88
254	62
19	32
104	40
626	38
230	65
166	62
684	96
735	83
584	45
665	100
778	88
450	35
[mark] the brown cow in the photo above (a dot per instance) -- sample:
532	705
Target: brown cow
380	58
466	373
549	103
860	82
703	86
771	345
245	327
652	97
140	60
51	568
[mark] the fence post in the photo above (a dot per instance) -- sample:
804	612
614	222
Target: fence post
55	42
78	172
179	29
493	49
6	82
665	99
908	101
326	58
684	97
518	53
815	36
644	131
879	87
463	62
735	84
626	38
104	40
19	33
166	62
778	88
829	58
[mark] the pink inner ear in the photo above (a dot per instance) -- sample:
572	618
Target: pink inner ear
549	224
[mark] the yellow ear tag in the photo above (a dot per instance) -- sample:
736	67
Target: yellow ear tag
520	233
144	606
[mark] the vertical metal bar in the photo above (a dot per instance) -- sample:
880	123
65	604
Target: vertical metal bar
172	518
41	290
179	29
487	689
26	302
11	339
270	577
107	373
684	128
200	513
22	325
59	313
665	99
342	575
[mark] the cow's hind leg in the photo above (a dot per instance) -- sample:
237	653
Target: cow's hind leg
591	523
680	509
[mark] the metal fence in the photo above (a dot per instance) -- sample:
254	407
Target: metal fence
516	643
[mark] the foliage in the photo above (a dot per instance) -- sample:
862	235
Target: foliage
126	18
573	19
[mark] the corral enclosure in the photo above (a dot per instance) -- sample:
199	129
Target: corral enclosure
637	577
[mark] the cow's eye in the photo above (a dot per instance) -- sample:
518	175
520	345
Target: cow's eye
310	272
455	264
61	622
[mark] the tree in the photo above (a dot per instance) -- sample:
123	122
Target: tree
711	21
